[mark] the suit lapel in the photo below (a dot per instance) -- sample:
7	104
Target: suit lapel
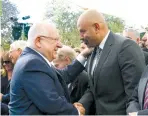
73	84
104	55
89	67
141	89
64	85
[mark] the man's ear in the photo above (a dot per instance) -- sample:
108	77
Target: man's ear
37	42
68	60
97	27
20	50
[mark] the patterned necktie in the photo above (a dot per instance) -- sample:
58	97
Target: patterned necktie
146	97
96	60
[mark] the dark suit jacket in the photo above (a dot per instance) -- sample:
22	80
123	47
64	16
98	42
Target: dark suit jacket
146	57
79	86
136	102
6	96
4	84
118	72
37	89
4	109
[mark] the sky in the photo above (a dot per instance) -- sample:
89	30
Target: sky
134	12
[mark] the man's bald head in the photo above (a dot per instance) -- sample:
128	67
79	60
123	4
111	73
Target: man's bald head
92	27
91	16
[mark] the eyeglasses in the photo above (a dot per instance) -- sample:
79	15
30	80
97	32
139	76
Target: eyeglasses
6	62
56	39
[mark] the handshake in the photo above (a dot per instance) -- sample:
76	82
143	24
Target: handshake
80	108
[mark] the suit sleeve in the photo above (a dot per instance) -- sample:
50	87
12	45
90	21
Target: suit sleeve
87	101
132	64
70	73
40	88
133	105
6	98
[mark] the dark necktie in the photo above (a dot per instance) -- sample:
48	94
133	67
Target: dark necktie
146	97
96	60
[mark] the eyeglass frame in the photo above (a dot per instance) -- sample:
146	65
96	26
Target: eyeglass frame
6	62
56	39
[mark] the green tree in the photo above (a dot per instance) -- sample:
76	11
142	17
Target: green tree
65	18
0	7
65	15
115	24
8	10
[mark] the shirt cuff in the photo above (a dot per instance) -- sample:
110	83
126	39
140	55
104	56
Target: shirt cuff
79	112
81	59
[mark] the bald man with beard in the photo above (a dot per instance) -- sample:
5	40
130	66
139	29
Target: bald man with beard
114	67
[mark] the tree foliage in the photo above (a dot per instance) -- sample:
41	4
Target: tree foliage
115	24
63	13
65	18
8	10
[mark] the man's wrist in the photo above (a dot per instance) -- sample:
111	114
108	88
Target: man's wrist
81	59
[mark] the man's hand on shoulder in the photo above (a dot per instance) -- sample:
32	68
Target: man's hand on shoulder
86	52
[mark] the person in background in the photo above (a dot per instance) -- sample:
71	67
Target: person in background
5	83
5	79
77	50
145	42
65	56
135	36
138	103
16	49
83	46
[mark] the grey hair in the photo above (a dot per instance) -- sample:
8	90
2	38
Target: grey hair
135	32
18	44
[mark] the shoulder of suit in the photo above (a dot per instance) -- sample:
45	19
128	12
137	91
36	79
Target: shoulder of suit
31	62
121	41
145	53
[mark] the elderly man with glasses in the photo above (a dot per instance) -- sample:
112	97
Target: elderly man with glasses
36	87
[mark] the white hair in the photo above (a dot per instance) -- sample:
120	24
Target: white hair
18	44
135	32
38	29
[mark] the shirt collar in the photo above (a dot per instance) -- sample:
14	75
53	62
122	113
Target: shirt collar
42	56
104	40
